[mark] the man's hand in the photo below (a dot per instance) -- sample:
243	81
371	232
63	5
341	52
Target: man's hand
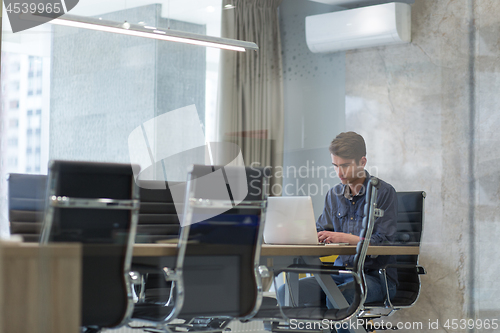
337	237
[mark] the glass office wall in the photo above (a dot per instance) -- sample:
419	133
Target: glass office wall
76	94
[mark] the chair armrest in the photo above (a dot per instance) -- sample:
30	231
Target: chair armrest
420	269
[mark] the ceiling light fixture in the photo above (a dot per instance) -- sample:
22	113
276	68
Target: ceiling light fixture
146	32
229	5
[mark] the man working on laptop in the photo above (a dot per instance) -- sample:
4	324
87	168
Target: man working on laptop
341	222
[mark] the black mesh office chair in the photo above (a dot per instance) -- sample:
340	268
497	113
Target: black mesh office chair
26	205
273	314
221	278
96	204
411	208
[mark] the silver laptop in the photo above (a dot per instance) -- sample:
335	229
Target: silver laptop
290	220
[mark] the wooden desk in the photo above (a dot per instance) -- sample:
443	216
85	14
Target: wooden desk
168	250
40	287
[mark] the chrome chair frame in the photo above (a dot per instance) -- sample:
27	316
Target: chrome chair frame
200	322
54	201
258	270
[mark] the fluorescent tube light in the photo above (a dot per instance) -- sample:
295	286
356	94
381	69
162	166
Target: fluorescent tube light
147	32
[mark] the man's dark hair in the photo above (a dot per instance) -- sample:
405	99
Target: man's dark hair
348	145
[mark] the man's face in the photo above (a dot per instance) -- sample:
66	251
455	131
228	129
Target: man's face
348	170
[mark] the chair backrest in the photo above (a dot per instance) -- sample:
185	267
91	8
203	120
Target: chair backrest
158	219
222	257
96	204
411	208
26	205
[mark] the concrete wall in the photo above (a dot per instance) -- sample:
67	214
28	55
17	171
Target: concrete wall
428	111
314	103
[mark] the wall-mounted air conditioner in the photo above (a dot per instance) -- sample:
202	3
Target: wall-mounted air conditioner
376	25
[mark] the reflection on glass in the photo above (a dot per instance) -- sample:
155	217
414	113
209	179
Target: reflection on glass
75	94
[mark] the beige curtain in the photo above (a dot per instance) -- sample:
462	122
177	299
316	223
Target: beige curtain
250	104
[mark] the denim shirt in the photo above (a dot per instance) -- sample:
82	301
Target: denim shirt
343	214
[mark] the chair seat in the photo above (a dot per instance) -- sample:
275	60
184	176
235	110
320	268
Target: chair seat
151	312
157	295
268	302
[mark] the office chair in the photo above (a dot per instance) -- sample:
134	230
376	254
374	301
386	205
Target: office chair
158	218
26	205
221	277
96	204
158	221
411	208
273	315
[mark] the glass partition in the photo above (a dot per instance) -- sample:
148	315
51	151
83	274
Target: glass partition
77	94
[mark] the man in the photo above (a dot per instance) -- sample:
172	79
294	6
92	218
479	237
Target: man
341	222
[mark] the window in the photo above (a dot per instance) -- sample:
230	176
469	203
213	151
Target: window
31	86
15	67
31	69
13	123
12	161
114	96
38	85
12	142
14	104
14	86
